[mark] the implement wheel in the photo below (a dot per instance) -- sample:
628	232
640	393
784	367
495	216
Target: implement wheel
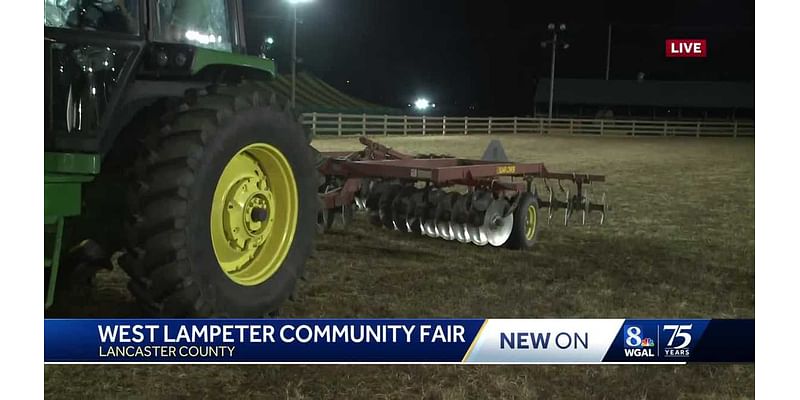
224	207
526	223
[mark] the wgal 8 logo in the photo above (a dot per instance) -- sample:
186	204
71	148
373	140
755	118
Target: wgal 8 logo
680	337
639	341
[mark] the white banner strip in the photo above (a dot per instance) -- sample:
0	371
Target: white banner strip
543	341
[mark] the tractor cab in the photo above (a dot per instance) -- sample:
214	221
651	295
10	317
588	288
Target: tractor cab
210	24
98	53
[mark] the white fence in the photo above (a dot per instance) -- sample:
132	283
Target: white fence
365	124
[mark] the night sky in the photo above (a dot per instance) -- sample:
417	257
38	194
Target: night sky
484	57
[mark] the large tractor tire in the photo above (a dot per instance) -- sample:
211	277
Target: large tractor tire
223	208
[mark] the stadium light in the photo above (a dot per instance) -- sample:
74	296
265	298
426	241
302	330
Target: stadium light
422	104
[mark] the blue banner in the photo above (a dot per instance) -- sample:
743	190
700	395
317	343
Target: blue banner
398	341
203	340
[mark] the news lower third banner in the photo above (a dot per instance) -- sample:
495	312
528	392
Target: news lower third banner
502	341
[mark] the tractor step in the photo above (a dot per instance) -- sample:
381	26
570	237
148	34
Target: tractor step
54	230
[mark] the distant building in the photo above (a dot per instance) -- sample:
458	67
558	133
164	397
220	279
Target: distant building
647	99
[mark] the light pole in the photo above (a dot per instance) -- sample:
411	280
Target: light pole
554	43
608	53
294	4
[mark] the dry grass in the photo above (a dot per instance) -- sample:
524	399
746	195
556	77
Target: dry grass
680	242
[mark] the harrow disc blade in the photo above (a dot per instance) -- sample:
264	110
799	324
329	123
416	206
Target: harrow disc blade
413	224
374	217
461	232
458	232
429	229
374	194
497	227
477	236
385	217
443	215
385	210
402	222
360	203
444	230
402	208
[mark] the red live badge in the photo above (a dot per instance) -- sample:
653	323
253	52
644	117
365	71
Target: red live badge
686	48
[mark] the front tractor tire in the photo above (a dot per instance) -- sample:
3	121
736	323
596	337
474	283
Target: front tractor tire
223	207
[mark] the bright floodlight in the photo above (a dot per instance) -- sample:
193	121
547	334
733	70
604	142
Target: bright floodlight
298	1
270	40
422	104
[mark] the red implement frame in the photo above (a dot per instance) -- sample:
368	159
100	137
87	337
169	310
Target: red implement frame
377	161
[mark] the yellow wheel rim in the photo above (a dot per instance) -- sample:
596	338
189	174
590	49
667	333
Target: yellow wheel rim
254	214
530	224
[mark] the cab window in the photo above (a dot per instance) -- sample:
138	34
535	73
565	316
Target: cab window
120	16
202	23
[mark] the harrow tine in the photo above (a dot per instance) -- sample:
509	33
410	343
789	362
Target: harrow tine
586	203
549	204
555	204
601	207
565	203
604	209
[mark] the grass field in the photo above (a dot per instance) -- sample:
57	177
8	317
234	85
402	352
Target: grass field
680	242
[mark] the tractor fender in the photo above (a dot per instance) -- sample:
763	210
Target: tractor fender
139	95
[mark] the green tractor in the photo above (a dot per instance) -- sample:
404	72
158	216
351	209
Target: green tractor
207	194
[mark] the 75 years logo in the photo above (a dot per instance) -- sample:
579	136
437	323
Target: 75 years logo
680	337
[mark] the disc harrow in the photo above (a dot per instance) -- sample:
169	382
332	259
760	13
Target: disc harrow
488	201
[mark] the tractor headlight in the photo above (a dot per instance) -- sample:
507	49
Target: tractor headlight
180	59
162	59
169	59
